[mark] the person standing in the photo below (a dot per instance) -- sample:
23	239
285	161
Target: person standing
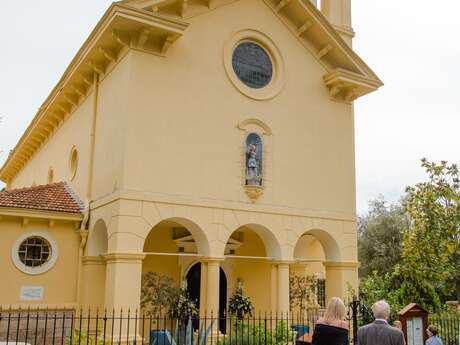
332	328
433	338
380	332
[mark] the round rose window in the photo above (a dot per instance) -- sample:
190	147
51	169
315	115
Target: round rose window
34	251
252	64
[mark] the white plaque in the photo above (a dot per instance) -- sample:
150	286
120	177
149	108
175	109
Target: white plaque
31	293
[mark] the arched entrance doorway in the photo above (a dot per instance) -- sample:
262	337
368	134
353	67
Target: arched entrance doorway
194	287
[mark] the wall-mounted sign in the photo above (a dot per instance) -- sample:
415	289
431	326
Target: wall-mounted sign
31	293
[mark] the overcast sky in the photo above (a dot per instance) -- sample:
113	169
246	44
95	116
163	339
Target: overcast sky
411	44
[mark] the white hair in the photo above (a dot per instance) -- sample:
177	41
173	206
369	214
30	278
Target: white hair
381	310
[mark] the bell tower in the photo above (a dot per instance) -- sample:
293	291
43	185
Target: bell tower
338	12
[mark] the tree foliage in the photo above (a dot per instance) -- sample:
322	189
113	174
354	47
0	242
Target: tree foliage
302	291
157	293
380	237
432	243
411	252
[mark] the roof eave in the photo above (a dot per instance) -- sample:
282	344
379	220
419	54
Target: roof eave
117	20
40	214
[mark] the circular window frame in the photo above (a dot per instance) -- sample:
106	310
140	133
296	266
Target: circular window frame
34	270
73	169
276	83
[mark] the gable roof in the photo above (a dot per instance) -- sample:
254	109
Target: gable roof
412	306
57	197
152	26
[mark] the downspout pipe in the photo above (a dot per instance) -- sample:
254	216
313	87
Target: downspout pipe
84	231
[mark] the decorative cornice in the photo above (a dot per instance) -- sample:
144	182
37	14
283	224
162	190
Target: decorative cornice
120	29
347	86
323	40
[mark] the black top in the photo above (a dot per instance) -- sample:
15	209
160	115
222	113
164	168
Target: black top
329	335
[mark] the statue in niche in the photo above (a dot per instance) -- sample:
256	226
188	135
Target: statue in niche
253	160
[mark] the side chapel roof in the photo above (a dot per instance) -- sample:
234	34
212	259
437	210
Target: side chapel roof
56	197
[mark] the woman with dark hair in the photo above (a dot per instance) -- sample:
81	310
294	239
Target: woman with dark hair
433	338
332	328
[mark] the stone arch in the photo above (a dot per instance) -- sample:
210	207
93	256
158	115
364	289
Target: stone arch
268	237
200	237
98	239
329	244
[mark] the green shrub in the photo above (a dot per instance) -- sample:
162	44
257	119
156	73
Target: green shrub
252	332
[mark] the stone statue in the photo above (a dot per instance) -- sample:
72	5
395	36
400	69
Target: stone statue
253	164
253	168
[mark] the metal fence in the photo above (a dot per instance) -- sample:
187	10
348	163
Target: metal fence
448	325
67	327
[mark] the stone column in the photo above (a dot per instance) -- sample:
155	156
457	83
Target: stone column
212	286
274	288
338	276
123	291
283	287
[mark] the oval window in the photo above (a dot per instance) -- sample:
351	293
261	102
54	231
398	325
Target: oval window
252	64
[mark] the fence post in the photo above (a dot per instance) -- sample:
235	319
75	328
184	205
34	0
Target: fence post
354	310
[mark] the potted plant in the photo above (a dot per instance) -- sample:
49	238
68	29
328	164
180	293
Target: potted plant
240	305
183	309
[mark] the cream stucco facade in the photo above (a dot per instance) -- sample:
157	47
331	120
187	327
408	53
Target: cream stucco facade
158	121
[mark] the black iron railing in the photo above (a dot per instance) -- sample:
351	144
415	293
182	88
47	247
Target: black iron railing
68	327
92	327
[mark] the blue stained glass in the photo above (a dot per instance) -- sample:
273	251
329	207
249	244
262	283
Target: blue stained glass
252	65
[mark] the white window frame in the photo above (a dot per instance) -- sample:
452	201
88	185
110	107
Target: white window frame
34	270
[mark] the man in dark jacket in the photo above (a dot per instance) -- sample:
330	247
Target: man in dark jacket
380	332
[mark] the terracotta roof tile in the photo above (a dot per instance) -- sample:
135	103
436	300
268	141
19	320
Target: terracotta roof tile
58	197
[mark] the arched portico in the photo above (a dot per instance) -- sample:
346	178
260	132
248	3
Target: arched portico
253	252
319	253
171	247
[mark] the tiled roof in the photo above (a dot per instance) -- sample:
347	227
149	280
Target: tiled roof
58	197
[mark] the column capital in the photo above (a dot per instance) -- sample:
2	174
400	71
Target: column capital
212	260
283	262
124	257
341	264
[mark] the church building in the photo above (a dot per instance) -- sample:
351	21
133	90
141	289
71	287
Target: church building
210	141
